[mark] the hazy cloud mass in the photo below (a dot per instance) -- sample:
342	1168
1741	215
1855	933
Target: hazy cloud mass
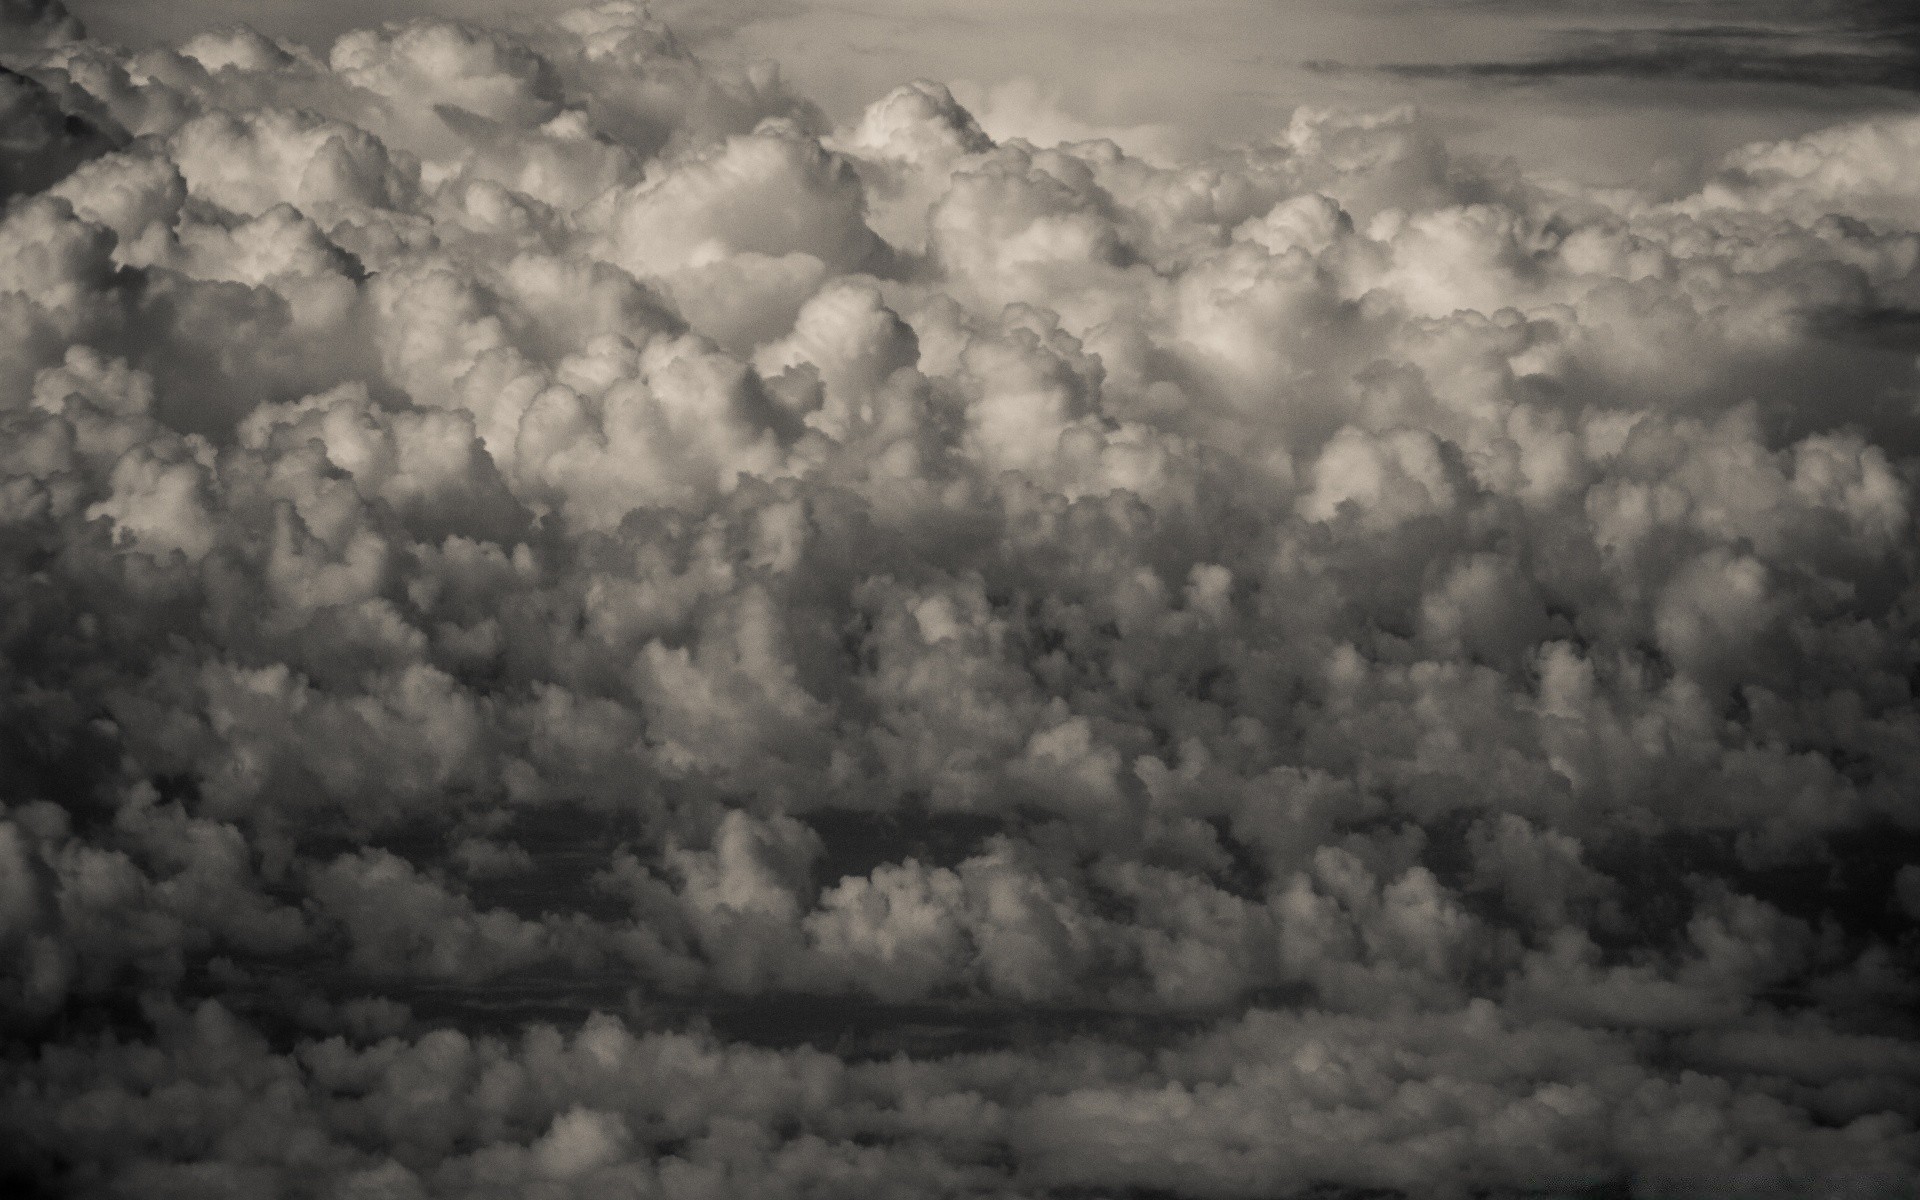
574	623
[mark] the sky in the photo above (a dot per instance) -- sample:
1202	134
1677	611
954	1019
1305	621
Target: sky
1019	602
1610	92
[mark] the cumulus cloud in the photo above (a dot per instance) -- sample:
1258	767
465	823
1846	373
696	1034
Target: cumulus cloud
571	629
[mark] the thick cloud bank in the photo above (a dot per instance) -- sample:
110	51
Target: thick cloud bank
567	629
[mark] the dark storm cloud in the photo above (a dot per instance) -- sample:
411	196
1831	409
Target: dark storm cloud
1858	44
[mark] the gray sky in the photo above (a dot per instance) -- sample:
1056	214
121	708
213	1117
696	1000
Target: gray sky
1631	90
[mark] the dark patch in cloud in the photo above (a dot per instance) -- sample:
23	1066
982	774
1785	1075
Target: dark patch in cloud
1891	329
1643	57
1867	44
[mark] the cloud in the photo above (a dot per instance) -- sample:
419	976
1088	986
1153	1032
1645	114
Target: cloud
35	24
572	627
1860	44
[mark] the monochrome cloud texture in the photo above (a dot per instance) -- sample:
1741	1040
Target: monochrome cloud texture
571	629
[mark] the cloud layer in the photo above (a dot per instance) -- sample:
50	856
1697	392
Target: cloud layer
571	629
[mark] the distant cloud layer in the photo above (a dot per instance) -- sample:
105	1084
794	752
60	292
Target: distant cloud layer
1838	46
569	627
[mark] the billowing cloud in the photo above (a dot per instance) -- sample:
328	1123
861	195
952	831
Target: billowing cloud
572	629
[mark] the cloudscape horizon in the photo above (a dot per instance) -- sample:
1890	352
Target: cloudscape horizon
779	600
1648	92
